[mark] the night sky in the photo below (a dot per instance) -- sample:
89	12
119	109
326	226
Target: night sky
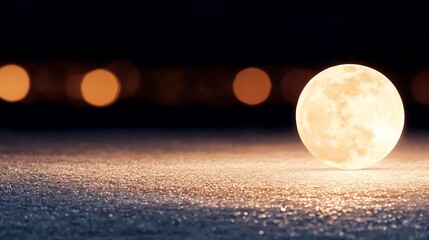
201	36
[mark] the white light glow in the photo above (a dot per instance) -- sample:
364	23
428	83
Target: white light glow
350	116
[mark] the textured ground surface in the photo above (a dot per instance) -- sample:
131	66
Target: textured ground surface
232	185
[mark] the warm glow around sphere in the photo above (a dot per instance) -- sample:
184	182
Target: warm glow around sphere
14	83
350	116
100	88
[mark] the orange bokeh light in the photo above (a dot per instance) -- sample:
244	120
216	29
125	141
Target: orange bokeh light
420	87
293	82
252	86
172	85
212	85
128	75
14	83
72	86
47	81
100	88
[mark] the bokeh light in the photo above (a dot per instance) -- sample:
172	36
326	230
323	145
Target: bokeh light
293	82
48	81
420	87
100	88
128	75
212	86
14	83
252	86
172	86
72	86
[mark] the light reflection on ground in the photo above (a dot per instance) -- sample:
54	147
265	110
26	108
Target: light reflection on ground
204	186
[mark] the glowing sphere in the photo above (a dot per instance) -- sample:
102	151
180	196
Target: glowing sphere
100	88
14	83
350	116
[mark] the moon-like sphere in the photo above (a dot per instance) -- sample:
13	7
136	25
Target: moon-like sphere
350	116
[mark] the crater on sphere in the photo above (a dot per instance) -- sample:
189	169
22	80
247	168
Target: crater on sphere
342	116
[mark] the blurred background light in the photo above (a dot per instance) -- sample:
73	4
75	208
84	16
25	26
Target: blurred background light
49	79
212	86
44	84
293	82
172	86
72	86
100	88
72	81
14	83
252	86
128	75
420	87
182	61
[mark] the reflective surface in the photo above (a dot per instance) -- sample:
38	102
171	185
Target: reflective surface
203	185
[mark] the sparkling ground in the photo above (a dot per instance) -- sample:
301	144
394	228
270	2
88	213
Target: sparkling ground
228	185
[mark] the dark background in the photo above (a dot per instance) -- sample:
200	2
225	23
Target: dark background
197	36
